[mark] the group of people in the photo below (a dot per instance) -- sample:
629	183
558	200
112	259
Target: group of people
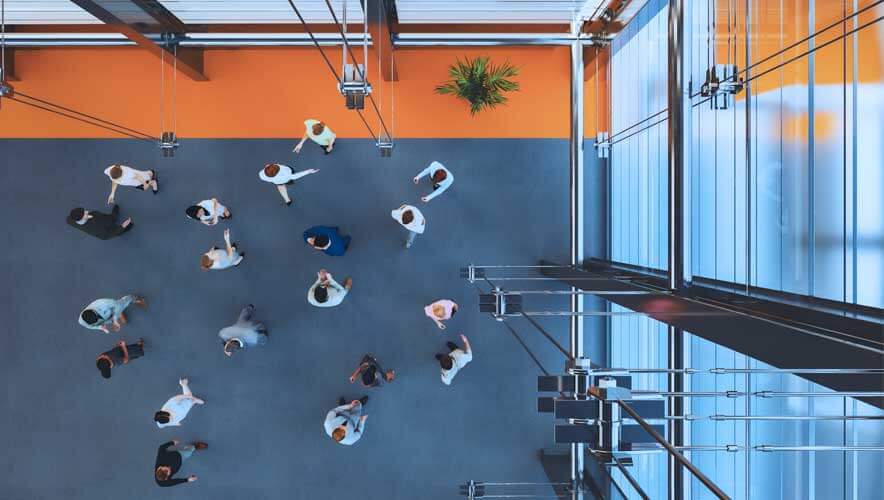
345	423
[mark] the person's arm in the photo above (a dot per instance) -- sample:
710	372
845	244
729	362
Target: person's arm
110	199
442	188
125	349
175	481
466	344
425	172
301	144
357	371
297	175
334	284
214	211
227	242
360	424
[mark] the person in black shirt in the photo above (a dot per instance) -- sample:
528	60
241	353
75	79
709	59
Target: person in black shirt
169	459
102	226
121	354
371	373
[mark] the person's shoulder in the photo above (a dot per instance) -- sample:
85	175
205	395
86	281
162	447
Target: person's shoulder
310	122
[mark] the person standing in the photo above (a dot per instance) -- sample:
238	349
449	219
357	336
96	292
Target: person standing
101	225
170	456
282	176
208	212
440	311
346	423
244	333
371	373
121	175
456	359
216	258
103	312
319	133
177	407
326	292
412	220
441	177
327	239
121	354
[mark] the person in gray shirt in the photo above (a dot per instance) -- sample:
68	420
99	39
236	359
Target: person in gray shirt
245	333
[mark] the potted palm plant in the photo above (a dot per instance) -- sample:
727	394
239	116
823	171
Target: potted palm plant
480	82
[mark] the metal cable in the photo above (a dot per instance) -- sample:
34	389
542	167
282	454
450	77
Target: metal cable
117	125
524	346
16	99
370	131
3	39
315	41
548	336
356	65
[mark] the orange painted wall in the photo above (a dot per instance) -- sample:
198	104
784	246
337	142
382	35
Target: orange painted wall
267	93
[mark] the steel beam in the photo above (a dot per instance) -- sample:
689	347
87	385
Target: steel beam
381	17
137	18
9	74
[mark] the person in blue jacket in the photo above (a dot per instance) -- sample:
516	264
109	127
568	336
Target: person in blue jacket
327	239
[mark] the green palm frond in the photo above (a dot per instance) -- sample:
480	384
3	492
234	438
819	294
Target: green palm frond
480	82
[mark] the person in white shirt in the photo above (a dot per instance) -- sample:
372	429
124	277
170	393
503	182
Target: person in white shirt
346	423
246	333
121	175
319	133
177	407
412	220
326	292
216	258
442	179
282	176
456	359
208	212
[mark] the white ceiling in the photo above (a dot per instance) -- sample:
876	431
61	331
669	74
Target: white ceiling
279	11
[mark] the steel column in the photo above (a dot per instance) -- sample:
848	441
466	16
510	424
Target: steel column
576	226
676	235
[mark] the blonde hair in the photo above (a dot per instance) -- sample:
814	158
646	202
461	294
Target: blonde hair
206	262
438	310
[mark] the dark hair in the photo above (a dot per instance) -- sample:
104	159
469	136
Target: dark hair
232	345
104	366
116	172
161	417
439	176
193	211
407	217
318	128
369	376
320	293
90	317
446	362
271	169
162	473
77	213
453	310
320	241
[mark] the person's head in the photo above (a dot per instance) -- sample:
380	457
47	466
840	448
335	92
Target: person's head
318	128
271	169
369	376
320	293
407	217
231	346
116	172
161	417
445	361
163	472
90	317
339	433
320	241
206	262
104	366
195	212
439	311
77	214
439	176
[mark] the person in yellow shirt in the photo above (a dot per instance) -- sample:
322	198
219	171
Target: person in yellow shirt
319	133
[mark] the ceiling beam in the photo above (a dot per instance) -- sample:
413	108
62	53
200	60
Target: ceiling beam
381	16
137	18
9	74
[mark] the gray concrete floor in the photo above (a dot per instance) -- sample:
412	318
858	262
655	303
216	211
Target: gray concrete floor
68	433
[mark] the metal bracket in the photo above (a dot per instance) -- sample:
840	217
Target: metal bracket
354	87
603	145
168	144
721	84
